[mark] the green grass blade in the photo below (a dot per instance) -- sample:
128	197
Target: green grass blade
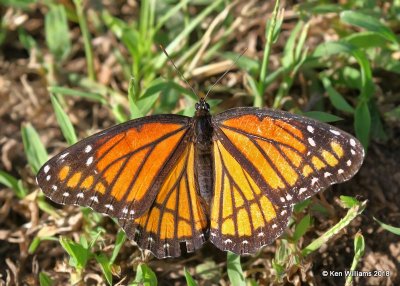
189	279
86	39
119	242
362	123
63	120
351	214
102	259
359	248
235	272
271	36
336	98
34	149
302	227
322	116
73	92
161	59
14	184
392	229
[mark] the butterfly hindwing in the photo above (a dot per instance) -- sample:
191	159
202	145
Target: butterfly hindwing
177	217
117	171
242	218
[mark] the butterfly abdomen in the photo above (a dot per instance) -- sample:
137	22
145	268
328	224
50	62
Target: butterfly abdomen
202	138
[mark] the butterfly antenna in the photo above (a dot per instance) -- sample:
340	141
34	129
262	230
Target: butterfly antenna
224	74
177	70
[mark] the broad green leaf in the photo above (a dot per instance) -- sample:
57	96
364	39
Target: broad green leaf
369	23
45	280
366	40
79	255
57	32
145	276
235	272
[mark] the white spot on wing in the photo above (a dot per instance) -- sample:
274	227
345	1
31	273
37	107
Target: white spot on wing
274	226
288	197
46	169
327	174
334	132
260	234
94	199
48	178
313	181
352	142
88	148
110	207
348	163
302	190
54	187
64	155
125	210
311	141
89	161
227	241
310	129
283	199
245	242
166	245
80	195
283	212
66	194
340	171
352	152
132	212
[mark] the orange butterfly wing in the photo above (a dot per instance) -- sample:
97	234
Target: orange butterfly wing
118	171
266	161
177	217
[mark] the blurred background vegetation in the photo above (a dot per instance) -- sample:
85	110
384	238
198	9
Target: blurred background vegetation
71	68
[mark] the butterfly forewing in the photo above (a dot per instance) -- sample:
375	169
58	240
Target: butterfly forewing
120	170
266	161
290	156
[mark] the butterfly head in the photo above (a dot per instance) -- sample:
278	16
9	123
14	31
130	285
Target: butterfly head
202	105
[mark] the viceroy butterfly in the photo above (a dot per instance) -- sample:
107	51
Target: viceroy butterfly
174	181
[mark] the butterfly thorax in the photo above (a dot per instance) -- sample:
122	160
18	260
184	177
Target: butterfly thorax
202	139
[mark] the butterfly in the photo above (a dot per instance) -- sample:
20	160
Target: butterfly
175	182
